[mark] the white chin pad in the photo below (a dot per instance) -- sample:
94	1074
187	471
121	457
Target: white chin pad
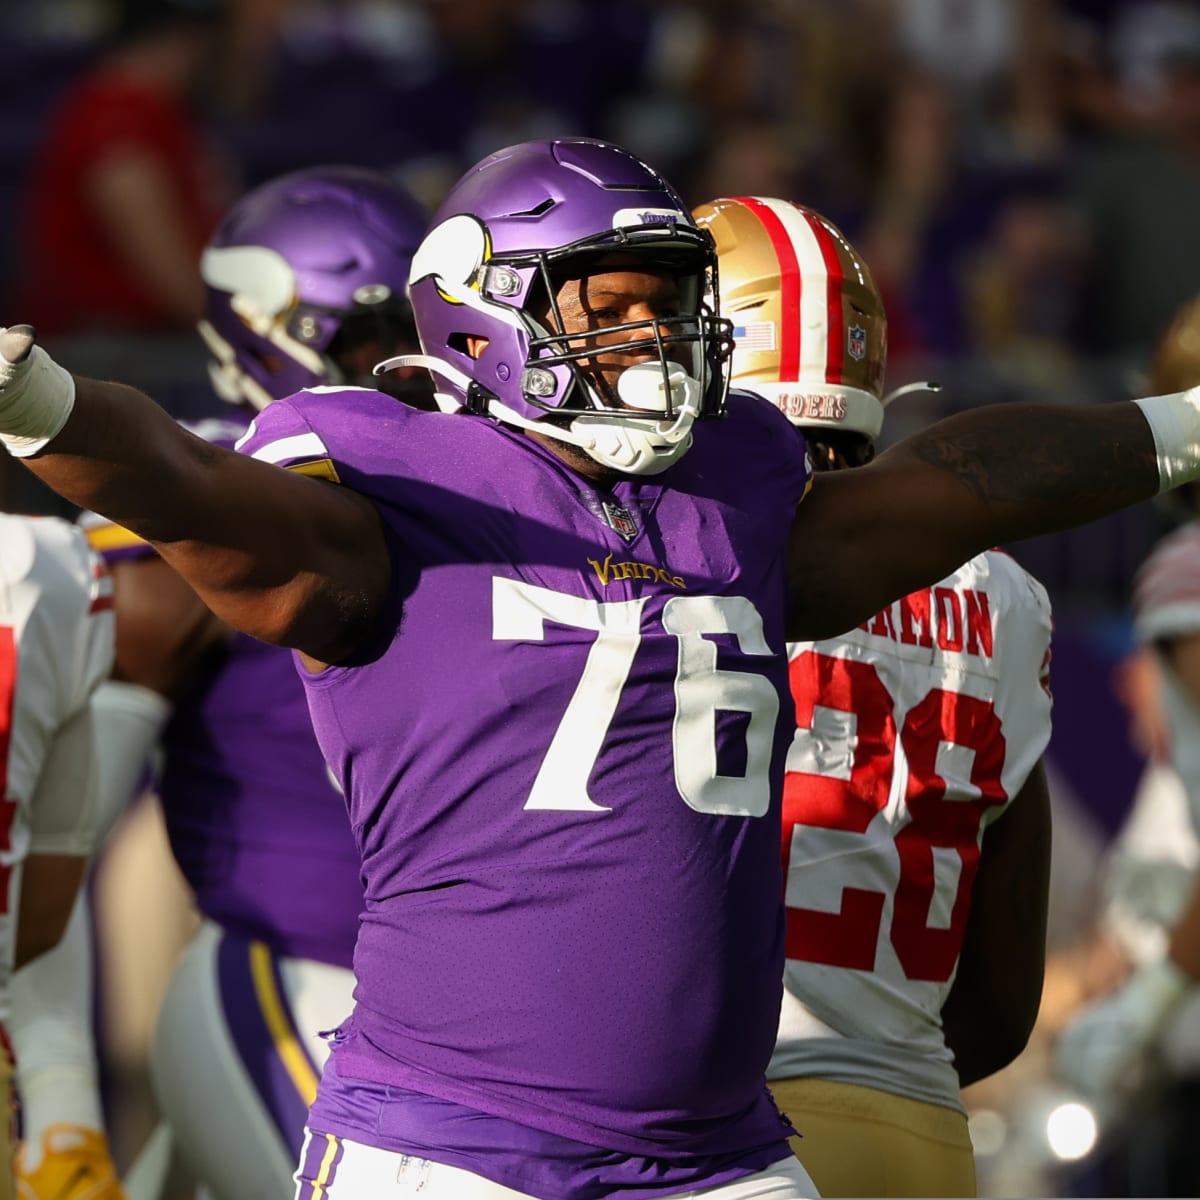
634	451
641	386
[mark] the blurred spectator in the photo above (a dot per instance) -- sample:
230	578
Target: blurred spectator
53	18
1134	1054
471	76
1140	190
735	99
1021	284
750	158
920	217
126	187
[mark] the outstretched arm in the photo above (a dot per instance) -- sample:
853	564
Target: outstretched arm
286	558
968	483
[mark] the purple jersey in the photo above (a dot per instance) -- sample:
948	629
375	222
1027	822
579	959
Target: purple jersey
254	819
564	756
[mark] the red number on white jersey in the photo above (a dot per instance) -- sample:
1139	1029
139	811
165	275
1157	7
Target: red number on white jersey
850	937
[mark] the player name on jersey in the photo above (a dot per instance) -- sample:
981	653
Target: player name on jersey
956	620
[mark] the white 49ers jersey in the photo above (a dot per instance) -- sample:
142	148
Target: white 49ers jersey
914	732
56	647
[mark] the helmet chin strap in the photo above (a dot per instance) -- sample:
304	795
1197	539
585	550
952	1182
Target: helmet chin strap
229	381
436	367
632	445
923	386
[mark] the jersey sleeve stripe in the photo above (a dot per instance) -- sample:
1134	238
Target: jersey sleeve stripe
297	446
321	468
106	538
102	588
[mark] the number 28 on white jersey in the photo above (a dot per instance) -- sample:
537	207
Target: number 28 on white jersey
913	733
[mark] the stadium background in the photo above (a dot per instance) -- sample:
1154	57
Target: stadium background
1022	175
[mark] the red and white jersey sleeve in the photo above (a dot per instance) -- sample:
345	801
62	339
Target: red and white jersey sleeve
913	734
56	648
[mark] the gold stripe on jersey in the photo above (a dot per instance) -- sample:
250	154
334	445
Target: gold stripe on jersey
291	1053
103	538
320	468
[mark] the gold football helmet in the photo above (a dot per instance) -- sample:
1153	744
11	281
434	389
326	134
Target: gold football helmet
810	332
1175	365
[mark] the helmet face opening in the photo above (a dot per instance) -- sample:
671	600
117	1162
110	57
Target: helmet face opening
367	335
596	347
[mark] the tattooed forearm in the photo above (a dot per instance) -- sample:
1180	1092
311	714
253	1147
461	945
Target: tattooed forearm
1070	462
984	478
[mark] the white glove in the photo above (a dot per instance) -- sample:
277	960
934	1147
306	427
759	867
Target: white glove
1100	1052
36	394
1174	421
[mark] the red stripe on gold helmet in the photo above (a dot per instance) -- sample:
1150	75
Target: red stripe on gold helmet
810	332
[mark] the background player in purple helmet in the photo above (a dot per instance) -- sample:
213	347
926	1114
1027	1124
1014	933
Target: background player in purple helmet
305	281
543	638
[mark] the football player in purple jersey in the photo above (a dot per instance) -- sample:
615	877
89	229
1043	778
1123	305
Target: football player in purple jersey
305	285
542	633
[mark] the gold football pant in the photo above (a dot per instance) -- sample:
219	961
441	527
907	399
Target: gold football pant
859	1141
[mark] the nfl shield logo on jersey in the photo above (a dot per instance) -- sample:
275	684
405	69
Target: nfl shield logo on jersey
856	341
621	519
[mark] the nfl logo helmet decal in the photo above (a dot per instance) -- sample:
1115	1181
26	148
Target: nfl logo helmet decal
856	342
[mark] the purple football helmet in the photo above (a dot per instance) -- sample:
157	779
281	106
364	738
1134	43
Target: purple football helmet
304	271
508	232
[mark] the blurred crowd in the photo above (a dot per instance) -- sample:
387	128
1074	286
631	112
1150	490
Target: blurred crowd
1022	175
